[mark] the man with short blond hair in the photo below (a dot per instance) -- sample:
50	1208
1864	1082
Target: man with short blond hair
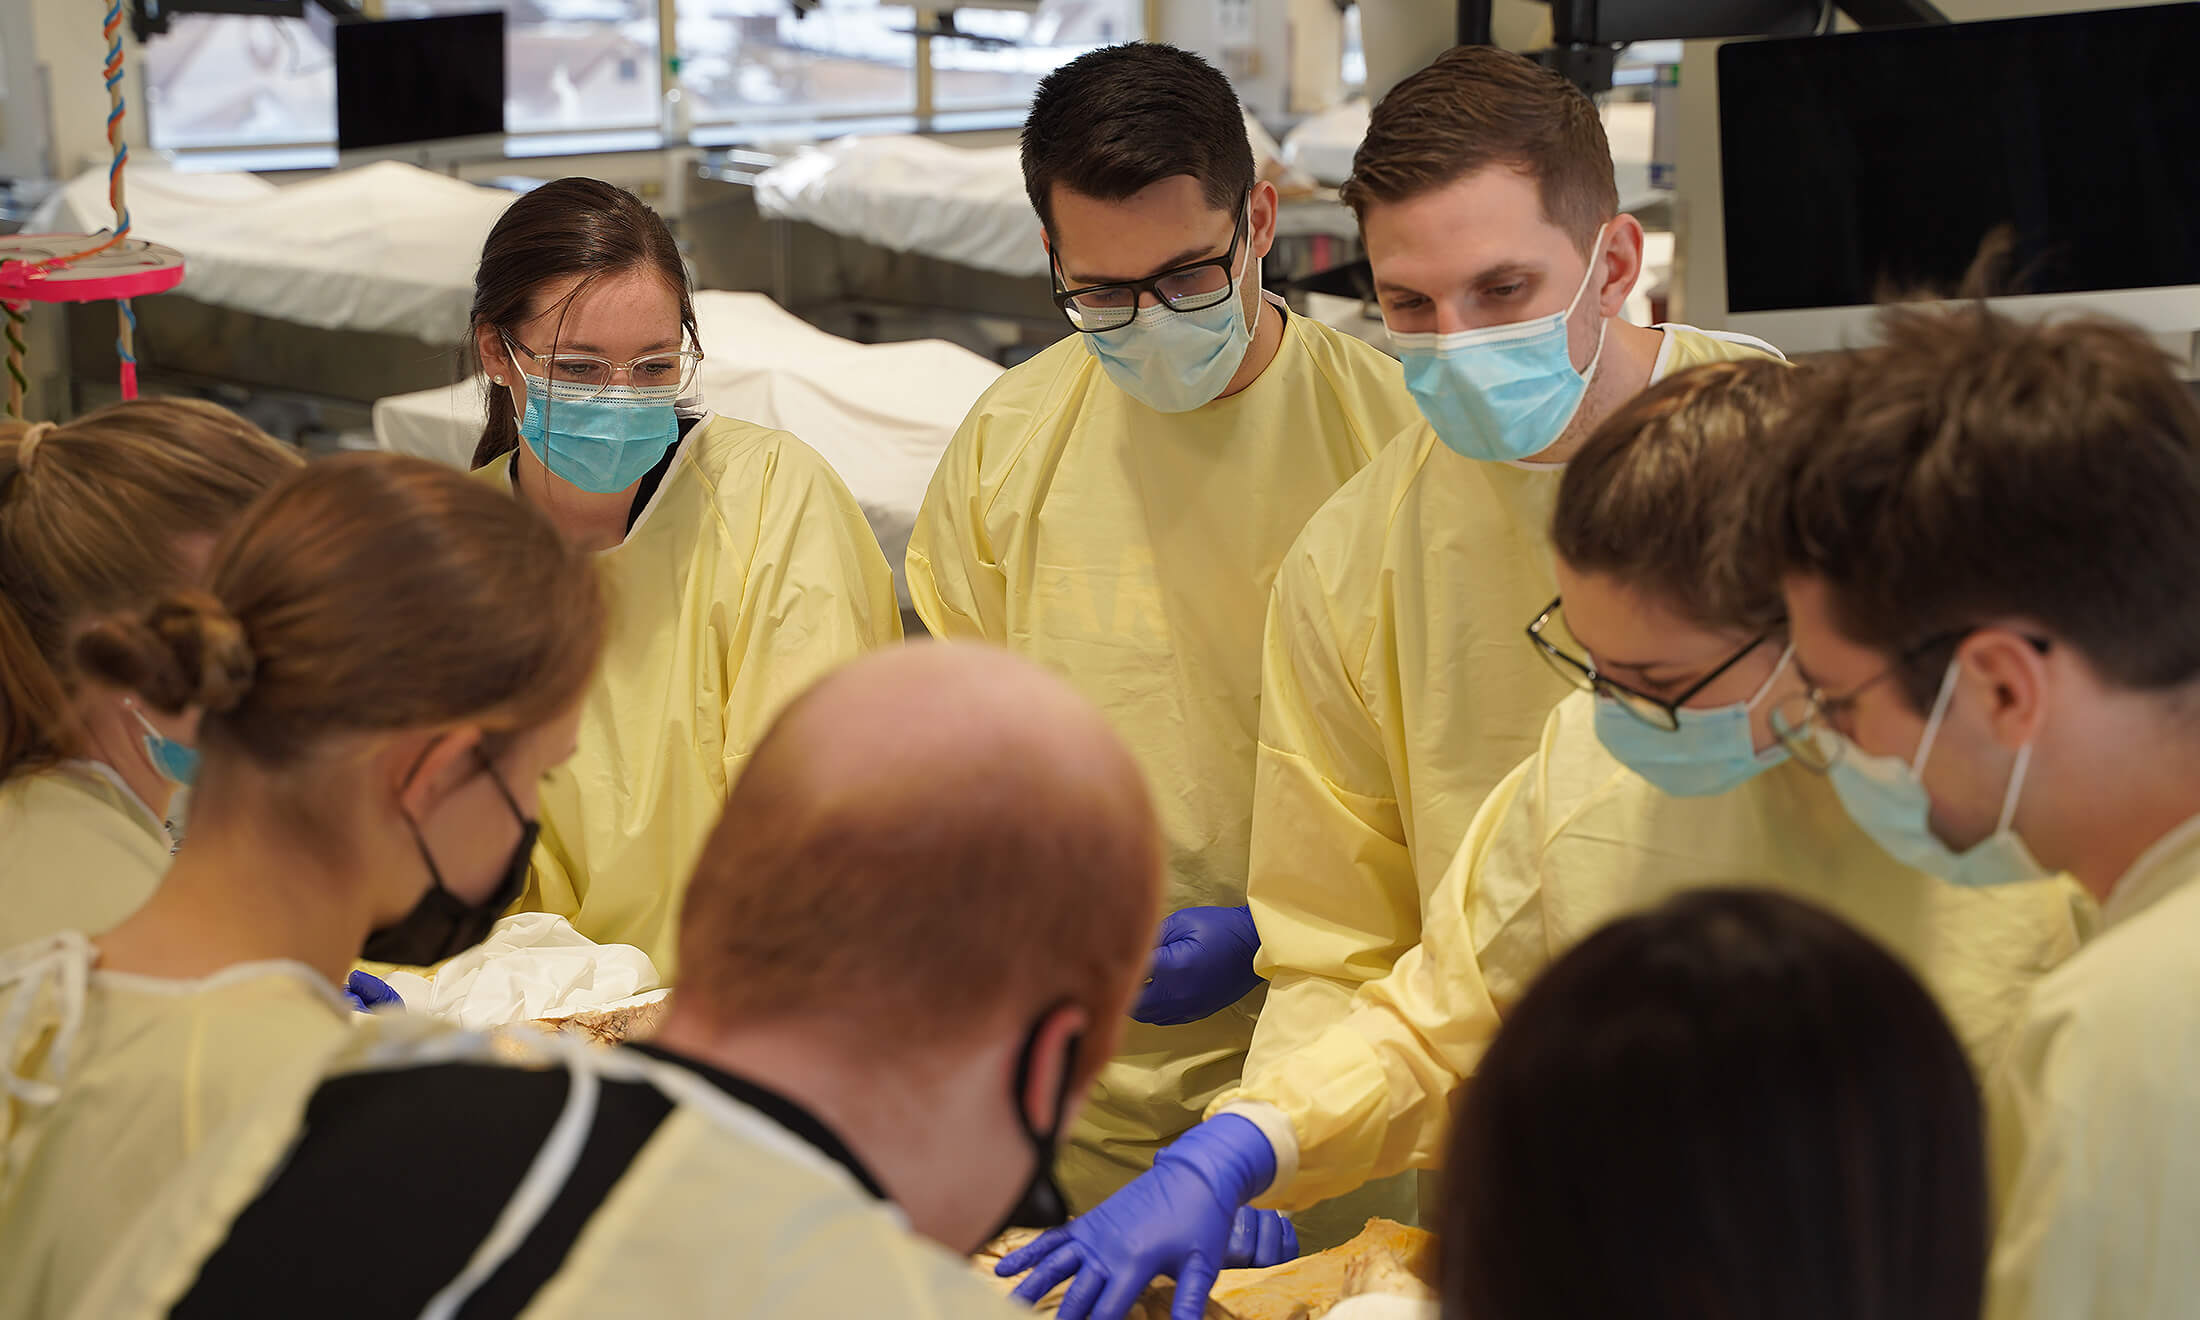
1395	694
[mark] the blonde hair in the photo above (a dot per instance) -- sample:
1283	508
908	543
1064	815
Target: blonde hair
92	516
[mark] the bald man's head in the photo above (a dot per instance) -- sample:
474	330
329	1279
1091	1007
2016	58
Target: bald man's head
931	843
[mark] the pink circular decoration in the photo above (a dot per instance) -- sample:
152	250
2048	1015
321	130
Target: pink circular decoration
132	268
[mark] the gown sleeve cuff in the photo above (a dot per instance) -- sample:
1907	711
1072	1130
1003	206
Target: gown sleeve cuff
1276	1127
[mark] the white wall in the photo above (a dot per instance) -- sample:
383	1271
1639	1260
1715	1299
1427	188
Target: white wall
55	119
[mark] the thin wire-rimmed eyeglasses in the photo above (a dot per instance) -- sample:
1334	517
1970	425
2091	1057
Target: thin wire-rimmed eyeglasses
585	376
1808	724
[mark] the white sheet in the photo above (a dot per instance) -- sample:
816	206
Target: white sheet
913	194
881	414
1323	144
388	247
917	194
533	965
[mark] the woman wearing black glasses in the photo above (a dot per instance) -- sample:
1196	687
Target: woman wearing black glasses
1662	774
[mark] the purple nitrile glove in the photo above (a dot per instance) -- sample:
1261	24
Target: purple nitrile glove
1184	1218
368	994
1202	965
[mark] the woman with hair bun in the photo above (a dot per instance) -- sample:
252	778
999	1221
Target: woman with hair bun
390	657
115	507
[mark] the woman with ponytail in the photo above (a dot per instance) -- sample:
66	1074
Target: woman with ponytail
115	507
739	566
389	657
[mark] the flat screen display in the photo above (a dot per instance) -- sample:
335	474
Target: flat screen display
1877	162
419	80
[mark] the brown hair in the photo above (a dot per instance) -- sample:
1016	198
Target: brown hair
369	593
1478	106
925	906
1969	468
92	516
1731	1105
1659	496
571	227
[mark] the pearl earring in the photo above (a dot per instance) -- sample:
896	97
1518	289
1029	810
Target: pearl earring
498	379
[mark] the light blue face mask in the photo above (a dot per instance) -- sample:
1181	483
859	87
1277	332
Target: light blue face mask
1886	798
1504	392
1712	752
602	443
176	762
1173	361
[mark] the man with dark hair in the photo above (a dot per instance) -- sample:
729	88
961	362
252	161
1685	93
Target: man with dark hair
1115	509
1989	534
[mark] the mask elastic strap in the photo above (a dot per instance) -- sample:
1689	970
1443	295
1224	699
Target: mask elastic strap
420	841
1604	323
2016	789
1589	373
1772	677
488	768
1260	302
1940	711
1026	1059
1596	254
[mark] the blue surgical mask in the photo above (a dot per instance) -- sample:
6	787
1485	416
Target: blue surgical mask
602	443
1173	361
1505	392
176	762
1712	752
1886	798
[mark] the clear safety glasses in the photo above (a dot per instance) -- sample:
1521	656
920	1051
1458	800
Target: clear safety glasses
585	376
1657	712
1099	308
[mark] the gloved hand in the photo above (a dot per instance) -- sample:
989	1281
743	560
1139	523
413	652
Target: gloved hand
1183	1218
369	993
1203	965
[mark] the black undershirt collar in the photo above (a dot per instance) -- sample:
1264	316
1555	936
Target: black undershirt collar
776	1107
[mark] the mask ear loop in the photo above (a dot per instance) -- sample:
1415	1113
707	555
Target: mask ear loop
1043	1144
1773	677
2016	789
1941	703
1604	323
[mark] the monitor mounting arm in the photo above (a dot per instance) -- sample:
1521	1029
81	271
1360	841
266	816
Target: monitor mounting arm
150	17
1586	34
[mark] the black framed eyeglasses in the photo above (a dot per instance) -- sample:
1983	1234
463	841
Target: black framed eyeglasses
1657	712
1809	723
1099	308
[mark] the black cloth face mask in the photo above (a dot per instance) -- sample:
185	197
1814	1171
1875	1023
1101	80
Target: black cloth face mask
442	924
1042	1204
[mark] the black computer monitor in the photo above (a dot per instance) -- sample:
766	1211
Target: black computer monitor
420	89
1864	163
